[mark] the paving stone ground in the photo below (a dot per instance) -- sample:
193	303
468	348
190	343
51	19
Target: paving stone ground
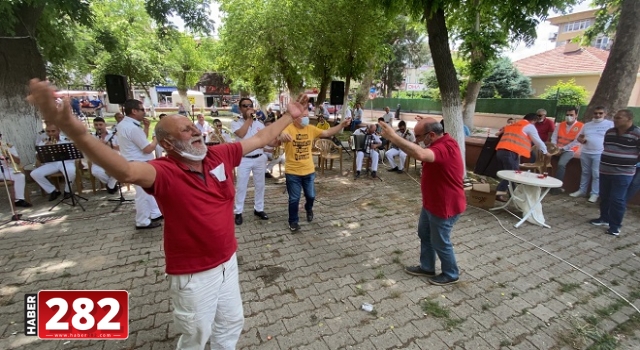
305	290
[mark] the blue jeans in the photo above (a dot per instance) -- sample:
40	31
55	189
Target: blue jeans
613	194
508	161
590	164
564	159
635	186
435	233
295	183
354	124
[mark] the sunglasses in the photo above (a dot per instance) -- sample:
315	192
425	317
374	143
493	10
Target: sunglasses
247	106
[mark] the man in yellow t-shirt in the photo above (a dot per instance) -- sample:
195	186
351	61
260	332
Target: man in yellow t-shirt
322	123
298	139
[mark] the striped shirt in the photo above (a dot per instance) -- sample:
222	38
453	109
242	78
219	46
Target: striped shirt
621	152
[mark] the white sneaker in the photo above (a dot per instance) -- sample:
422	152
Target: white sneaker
593	198
577	194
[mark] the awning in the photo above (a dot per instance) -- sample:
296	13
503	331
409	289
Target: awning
166	88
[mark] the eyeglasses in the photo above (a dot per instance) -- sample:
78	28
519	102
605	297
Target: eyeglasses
247	106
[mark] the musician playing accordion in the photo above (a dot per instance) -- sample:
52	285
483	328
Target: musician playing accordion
370	147
394	151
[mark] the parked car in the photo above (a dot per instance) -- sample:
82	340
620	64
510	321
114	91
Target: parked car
274	106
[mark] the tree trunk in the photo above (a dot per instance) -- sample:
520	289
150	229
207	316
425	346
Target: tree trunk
185	101
345	101
20	61
469	103
620	72
322	94
445	74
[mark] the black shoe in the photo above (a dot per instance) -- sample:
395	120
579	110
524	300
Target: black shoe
53	195
357	174
22	203
238	219
293	226
310	216
268	175
394	169
374	174
400	171
442	280
112	190
161	217
67	195
262	215
418	271
150	226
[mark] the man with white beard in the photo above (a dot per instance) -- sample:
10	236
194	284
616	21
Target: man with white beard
194	182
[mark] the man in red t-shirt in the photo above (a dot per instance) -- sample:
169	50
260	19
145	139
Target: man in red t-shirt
194	189
443	198
544	125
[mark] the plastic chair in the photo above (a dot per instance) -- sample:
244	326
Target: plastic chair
326	147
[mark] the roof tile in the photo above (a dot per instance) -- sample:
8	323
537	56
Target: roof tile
556	61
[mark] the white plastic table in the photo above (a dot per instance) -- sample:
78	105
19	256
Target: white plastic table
527	179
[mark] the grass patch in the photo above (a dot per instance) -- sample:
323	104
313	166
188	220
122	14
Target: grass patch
434	309
451	323
395	294
514	294
379	275
585	333
398	251
360	291
592	320
349	254
568	287
599	292
396	260
65	274
288	290
629	326
505	343
611	309
486	307
624	246
615	283
502	285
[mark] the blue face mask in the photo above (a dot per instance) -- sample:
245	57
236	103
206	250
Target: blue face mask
304	121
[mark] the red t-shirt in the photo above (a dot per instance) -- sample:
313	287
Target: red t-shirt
545	129
441	185
199	233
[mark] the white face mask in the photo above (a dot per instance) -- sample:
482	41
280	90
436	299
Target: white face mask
304	121
422	145
570	119
187	150
597	120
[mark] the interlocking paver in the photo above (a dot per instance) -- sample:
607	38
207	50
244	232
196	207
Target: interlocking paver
305	290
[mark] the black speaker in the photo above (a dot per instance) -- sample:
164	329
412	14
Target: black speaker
117	88
337	93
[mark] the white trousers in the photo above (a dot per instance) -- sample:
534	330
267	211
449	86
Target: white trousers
146	207
99	173
18	182
248	165
274	162
207	306
374	160
39	174
392	152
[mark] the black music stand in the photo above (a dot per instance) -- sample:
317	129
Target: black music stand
120	199
60	153
337	142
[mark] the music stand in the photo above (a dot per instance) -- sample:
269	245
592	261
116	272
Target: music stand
339	143
60	153
121	199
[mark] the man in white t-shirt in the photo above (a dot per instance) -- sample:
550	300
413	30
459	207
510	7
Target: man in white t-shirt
253	162
592	139
388	116
134	146
203	126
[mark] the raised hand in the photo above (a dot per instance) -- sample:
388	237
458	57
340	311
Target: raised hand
44	98
298	108
345	123
387	131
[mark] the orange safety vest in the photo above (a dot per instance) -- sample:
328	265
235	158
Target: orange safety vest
515	140
565	138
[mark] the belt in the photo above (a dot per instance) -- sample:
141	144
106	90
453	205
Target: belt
252	157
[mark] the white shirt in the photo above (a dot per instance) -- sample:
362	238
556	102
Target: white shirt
132	140
357	115
387	117
204	128
110	137
531	131
375	138
594	134
60	141
253	129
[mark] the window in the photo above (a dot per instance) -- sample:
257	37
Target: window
603	43
577	25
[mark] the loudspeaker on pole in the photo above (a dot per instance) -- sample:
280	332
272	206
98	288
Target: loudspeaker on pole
117	88
337	93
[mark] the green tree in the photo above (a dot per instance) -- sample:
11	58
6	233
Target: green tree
504	80
619	75
567	93
187	60
35	34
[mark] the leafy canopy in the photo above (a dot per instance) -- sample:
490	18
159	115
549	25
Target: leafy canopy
567	93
